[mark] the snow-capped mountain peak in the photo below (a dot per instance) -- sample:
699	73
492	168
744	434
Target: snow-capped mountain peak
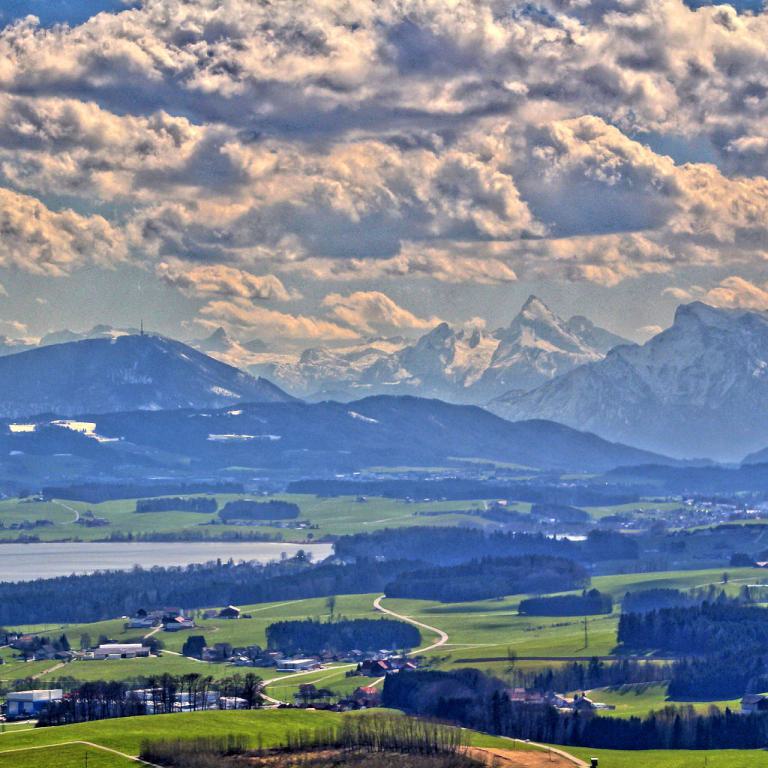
698	388
455	364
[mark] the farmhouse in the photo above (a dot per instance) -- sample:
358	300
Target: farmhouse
30	703
120	651
230	612
141	622
390	666
367	696
754	702
177	623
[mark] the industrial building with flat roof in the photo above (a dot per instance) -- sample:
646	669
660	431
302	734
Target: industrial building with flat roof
20	704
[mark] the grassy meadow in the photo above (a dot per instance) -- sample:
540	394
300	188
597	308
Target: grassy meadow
332	516
489	635
265	728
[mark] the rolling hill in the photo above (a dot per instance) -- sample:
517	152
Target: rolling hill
310	439
125	373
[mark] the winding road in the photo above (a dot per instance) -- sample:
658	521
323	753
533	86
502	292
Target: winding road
74	511
442	639
443	636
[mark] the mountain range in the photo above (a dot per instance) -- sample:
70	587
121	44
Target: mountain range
699	388
298	439
454	364
139	372
457	365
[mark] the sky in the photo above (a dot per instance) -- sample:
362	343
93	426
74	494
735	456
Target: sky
315	172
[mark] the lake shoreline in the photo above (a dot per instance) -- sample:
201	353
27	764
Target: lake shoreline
40	560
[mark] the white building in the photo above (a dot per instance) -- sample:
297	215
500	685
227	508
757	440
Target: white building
30	703
120	651
297	665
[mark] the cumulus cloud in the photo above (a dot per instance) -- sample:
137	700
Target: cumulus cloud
682	294
234	147
206	280
245	316
648	65
374	311
37	239
735	291
446	263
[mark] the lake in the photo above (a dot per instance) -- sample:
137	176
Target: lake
24	562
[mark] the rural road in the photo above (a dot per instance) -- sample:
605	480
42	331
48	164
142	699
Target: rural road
442	640
75	512
443	636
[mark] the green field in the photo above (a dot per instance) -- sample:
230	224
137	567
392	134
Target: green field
332	516
640	698
63	756
482	634
675	758
241	632
47	747
328	517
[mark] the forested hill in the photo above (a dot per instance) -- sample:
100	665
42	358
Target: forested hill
104	595
320	439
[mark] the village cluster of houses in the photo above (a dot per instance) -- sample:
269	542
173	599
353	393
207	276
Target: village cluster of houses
378	665
309	696
579	702
171	620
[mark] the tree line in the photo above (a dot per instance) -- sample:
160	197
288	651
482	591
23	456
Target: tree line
474	700
204	504
588	603
468	489
446	546
361	739
725	675
105	594
102	700
595	673
489	577
246	509
313	637
654	599
95	493
697	629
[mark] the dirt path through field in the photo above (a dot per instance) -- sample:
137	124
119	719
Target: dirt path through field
510	758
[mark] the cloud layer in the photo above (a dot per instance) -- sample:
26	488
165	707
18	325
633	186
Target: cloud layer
240	151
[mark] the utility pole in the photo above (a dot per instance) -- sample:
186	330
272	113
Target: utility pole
586	634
